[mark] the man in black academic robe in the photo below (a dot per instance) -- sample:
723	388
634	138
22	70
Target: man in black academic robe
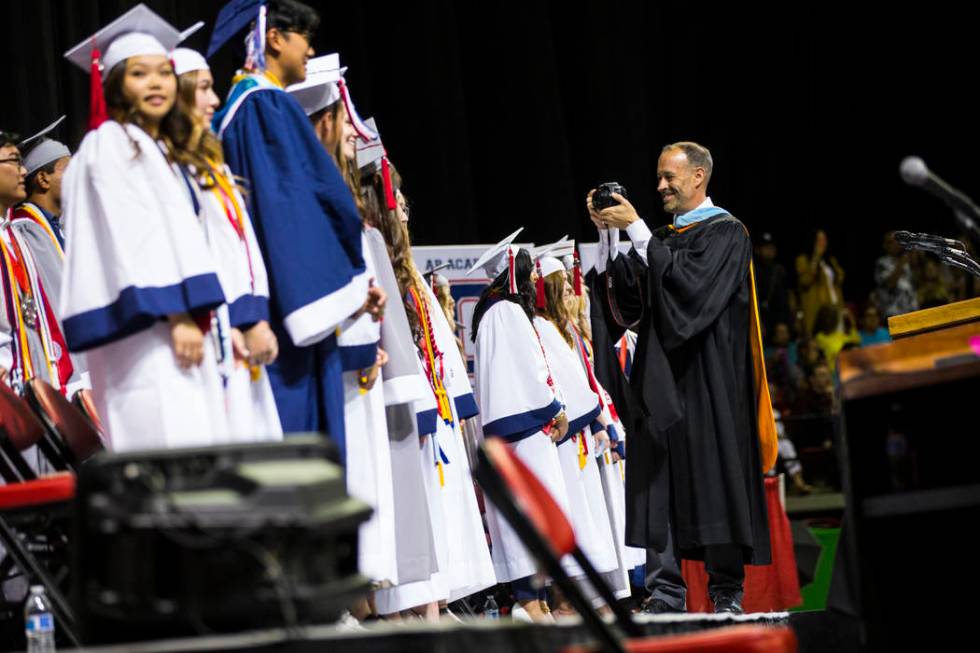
694	471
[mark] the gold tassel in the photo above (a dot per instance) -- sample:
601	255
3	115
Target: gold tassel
445	410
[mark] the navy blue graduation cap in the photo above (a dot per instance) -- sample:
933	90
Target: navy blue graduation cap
232	19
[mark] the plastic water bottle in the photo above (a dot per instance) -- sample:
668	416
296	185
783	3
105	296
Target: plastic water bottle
39	622
490	609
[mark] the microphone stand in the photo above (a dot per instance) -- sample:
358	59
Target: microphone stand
968	225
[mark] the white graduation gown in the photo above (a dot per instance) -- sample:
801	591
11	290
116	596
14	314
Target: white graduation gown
587	506
368	464
436	587
469	568
251	407
403	385
136	253
515	401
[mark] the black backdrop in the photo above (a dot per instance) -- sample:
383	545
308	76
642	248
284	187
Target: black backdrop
505	114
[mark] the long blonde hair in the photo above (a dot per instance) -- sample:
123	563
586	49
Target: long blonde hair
337	113
207	142
396	237
555	310
580	316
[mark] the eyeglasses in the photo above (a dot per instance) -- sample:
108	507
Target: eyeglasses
306	36
16	161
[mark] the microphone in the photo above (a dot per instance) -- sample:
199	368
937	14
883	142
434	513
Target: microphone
905	237
915	173
948	255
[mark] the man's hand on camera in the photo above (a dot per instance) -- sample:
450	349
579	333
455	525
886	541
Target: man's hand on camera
620	216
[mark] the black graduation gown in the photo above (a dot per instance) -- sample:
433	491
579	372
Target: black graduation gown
605	361
694	450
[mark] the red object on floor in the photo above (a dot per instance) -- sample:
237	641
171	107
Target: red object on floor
768	588
734	639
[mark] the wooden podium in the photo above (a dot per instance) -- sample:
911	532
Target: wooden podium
910	458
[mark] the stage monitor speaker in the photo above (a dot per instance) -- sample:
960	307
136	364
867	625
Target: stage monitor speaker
216	539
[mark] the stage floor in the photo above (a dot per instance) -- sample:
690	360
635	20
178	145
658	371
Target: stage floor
447	637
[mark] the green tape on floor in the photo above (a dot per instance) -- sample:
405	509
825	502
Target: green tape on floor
815	594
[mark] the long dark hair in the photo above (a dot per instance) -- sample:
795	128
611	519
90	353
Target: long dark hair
376	214
499	289
178	129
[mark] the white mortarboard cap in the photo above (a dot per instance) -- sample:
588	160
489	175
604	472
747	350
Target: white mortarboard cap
137	32
363	131
562	249
41	151
44	132
370	153
495	260
547	249
320	89
549	265
45	152
187	60
434	279
569	261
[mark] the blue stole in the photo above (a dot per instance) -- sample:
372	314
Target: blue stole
697	215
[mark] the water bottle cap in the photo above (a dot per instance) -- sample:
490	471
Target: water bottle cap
37	589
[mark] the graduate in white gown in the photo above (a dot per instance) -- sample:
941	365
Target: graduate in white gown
419	521
251	345
469	566
368	460
140	282
463	556
519	401
612	461
586	436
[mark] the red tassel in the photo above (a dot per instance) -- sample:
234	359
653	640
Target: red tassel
435	287
97	112
389	189
540	300
512	281
577	274
203	320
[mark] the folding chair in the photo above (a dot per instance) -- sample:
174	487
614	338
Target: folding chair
34	512
34	516
19	431
68	433
543	528
83	402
